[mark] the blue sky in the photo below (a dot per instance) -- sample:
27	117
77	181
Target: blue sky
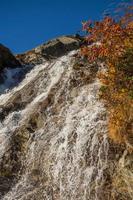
24	24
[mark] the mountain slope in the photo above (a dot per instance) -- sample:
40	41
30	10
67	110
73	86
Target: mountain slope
53	134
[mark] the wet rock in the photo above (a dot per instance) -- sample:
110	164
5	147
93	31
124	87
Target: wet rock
123	178
5	185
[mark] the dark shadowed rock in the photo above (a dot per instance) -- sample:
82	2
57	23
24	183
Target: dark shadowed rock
7	59
51	50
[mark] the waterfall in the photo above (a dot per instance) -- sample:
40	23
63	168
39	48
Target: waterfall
59	126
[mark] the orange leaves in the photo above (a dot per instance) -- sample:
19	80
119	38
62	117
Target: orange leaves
84	51
103	52
130	25
113	45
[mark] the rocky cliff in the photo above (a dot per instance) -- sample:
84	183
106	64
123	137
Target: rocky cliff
51	50
53	131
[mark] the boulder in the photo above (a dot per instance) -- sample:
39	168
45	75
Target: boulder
51	50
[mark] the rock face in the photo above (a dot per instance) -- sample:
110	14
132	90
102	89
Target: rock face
7	59
54	137
51	50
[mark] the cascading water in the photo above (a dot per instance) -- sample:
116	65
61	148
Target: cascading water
59	125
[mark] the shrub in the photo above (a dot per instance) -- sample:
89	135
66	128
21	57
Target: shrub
112	43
